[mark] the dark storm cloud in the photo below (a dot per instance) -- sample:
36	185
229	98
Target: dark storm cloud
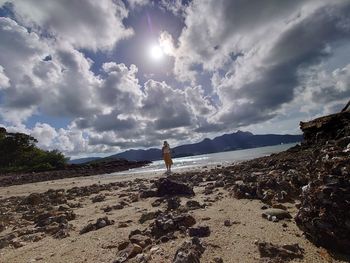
110	122
303	45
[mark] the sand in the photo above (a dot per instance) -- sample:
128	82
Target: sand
234	243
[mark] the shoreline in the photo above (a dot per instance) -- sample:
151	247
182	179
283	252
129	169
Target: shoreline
66	183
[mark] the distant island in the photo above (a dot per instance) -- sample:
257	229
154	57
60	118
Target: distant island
227	142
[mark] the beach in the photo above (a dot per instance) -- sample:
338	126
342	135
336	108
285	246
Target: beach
237	227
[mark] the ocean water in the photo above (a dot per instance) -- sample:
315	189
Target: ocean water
224	158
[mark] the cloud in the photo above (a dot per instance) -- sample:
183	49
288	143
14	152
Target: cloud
201	105
45	134
81	23
325	92
165	106
259	55
137	3
236	63
60	86
4	80
120	88
176	7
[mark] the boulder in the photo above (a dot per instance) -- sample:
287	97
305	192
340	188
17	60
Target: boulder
168	187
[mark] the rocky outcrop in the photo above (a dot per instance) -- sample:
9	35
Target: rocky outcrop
323	129
324	214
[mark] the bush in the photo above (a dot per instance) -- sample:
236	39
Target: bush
42	167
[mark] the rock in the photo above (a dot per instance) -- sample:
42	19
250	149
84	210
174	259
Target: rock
192	205
189	252
275	212
218	260
227	222
148	216
164	239
279	206
283	253
6	240
154	249
157	202
107	209
325	211
33	199
209	189
142	258
185	220
219	183
140	240
122	225
168	187
122	245
118	206
168	223
98	198
200	231
148	193
16	243
129	252
100	223
134	198
326	128
173	203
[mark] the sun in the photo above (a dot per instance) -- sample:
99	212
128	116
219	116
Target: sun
156	52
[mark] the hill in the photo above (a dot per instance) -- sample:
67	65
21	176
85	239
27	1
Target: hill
227	142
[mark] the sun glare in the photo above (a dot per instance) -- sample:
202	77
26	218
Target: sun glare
156	52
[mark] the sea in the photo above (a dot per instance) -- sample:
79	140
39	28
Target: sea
221	158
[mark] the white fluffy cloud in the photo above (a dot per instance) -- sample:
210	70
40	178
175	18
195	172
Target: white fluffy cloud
82	23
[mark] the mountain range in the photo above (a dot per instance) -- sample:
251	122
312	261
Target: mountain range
227	142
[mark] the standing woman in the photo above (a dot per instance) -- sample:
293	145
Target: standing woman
167	156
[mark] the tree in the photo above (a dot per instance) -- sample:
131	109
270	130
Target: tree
18	152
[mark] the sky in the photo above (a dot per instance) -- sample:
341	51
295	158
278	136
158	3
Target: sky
93	78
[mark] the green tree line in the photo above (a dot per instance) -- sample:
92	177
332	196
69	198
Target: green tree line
19	153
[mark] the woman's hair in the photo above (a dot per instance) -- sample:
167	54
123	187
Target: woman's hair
166	143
